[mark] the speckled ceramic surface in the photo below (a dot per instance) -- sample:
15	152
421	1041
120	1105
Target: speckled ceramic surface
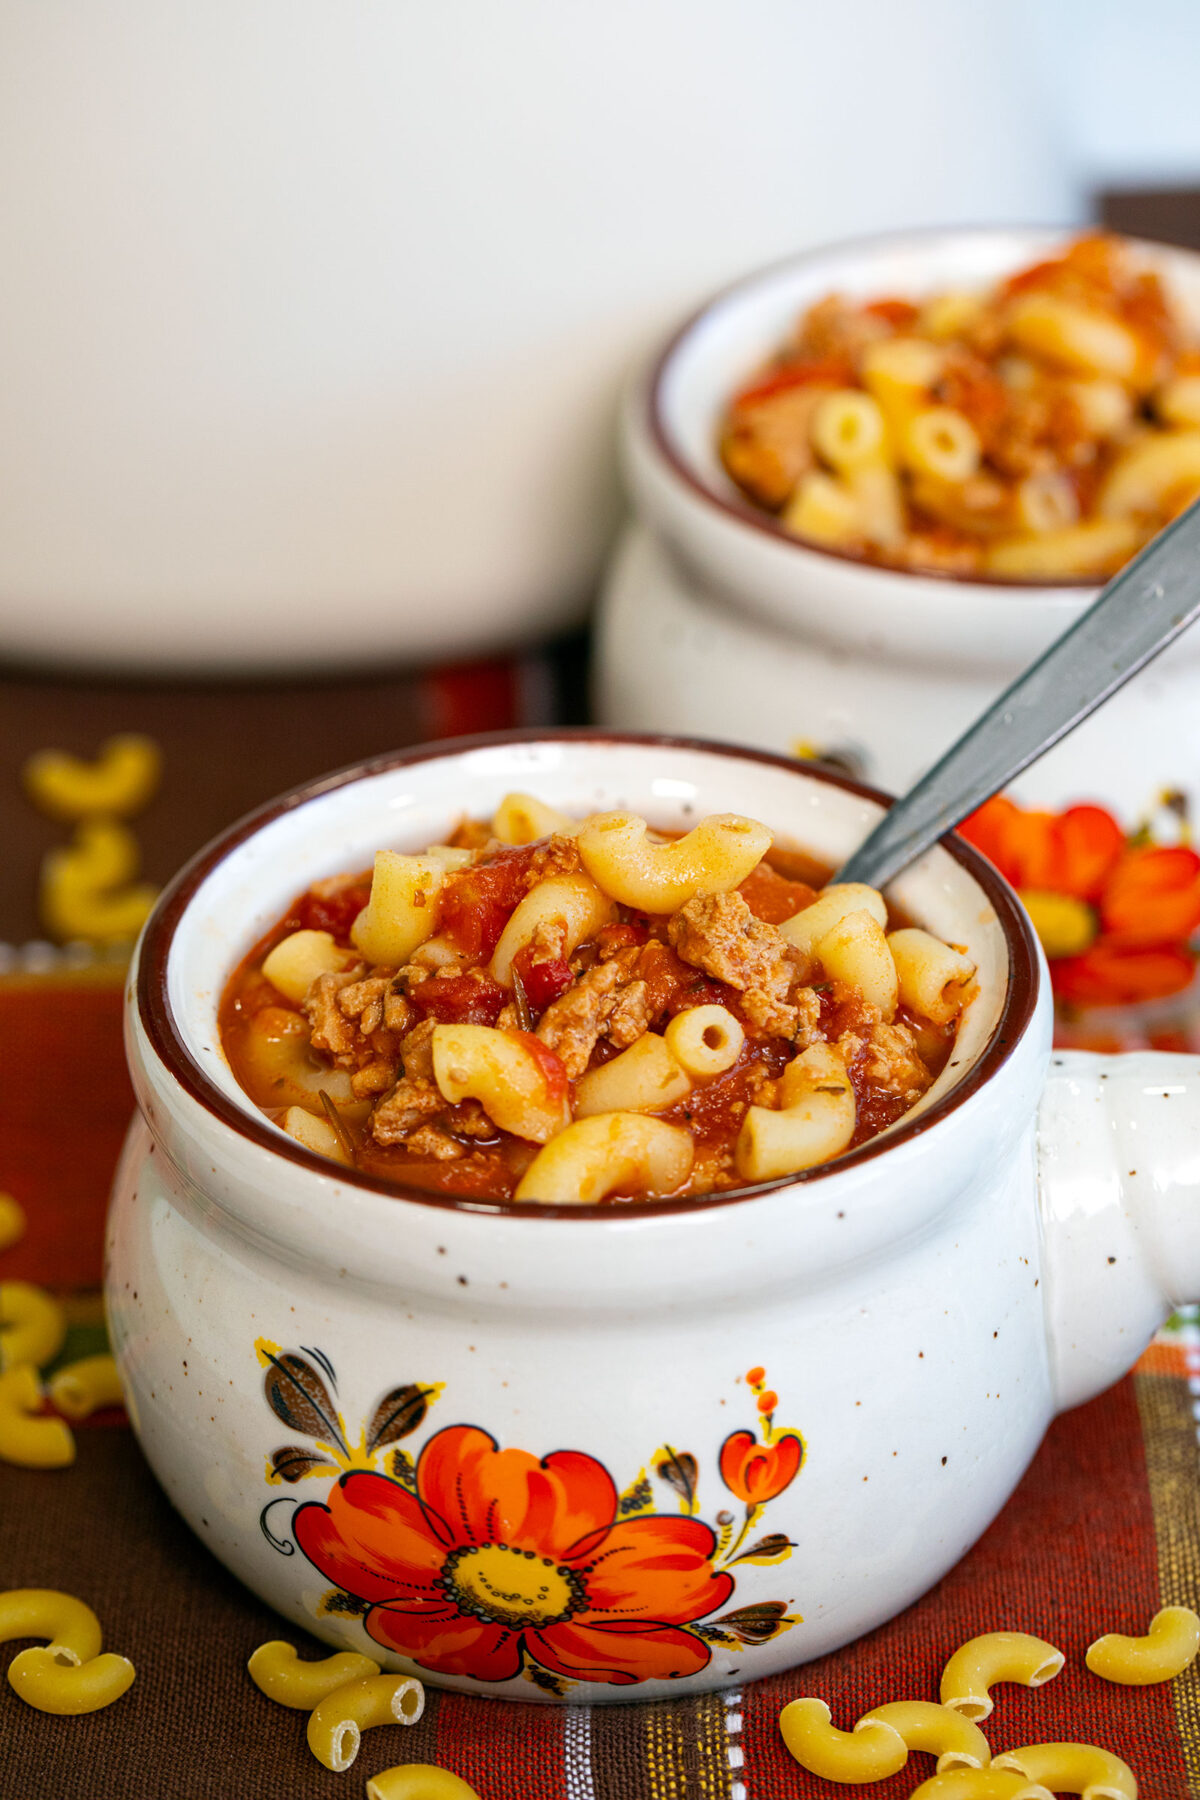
587	1452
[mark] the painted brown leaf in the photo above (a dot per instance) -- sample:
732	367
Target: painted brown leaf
775	1544
297	1395
294	1460
397	1414
755	1624
678	1469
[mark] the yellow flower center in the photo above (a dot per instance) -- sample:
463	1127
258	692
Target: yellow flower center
511	1587
1065	925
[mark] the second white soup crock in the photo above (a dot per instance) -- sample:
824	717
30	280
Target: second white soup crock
714	619
598	1451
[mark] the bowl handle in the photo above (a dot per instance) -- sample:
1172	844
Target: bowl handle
1119	1190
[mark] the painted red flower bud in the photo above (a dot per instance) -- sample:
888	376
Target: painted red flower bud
757	1472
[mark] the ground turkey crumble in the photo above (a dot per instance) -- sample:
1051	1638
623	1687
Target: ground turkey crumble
719	934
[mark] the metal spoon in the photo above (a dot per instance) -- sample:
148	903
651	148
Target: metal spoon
1140	612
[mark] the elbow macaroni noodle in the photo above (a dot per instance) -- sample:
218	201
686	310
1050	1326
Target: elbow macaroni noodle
12	1222
815	1122
871	1752
87	888
418	1781
605	1154
70	1626
32	1325
277	1671
980	1784
68	1674
705	1041
1073	1769
523	819
336	1723
122	780
856	953
296	961
1168	1648
401	911
82	1388
955	1741
645	1078
42	1682
28	1437
996	1656
931	976
660	878
507	1073
570	901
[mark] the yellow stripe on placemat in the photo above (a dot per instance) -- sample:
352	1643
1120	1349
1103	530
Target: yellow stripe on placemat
686	1750
1169	1431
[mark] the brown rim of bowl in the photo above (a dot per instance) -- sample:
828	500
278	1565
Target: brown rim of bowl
166	1039
764	522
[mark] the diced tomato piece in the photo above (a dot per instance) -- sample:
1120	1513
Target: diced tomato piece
772	897
826	371
543	981
673	985
897	313
461	999
611	938
476	903
551	1064
334	912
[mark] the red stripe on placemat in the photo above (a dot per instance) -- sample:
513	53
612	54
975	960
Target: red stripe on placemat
502	1749
1072	1555
65	1103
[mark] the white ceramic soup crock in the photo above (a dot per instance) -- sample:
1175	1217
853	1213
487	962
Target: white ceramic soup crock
649	1449
714	619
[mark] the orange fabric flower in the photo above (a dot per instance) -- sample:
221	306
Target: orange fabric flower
499	1557
1071	852
757	1472
1108	975
1144	899
1153	896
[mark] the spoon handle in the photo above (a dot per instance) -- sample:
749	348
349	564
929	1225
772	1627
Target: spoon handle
1139	613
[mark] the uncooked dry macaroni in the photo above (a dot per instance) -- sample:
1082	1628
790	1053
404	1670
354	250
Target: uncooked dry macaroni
43	1682
70	1626
871	1752
418	1781
994	1657
120	782
1085	1769
12	1221
28	1437
595	1015
337	1722
1043	430
88	889
81	1388
32	1325
980	1784
276	1670
955	1741
68	1674
1168	1648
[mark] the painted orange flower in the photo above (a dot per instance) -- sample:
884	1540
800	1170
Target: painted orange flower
498	1557
757	1472
1115	915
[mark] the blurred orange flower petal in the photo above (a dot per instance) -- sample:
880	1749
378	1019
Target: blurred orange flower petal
1063	853
1153	896
1115	975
